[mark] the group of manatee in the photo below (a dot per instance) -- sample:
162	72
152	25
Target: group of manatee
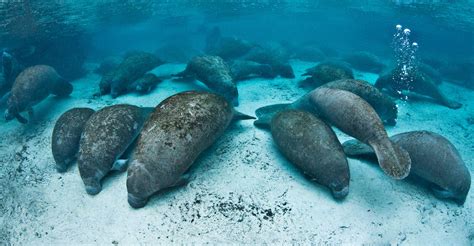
156	146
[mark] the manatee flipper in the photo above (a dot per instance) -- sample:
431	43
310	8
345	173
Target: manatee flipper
394	160
440	192
241	116
120	165
452	104
21	119
265	114
355	148
183	180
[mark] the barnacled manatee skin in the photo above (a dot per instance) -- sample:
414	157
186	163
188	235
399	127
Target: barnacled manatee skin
107	135
177	131
434	159
66	136
354	116
311	145
214	72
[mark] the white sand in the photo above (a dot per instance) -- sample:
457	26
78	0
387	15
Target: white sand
241	189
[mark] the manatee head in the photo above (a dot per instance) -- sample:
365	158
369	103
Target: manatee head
116	87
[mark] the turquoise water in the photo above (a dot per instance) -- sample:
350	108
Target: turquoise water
243	183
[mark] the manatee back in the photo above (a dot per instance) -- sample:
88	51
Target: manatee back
106	136
177	131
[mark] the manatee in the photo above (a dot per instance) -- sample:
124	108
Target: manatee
355	117
242	69
326	72
226	47
108	65
145	84
177	131
434	159
105	139
383	104
214	72
365	61
133	67
273	54
66	135
32	86
420	83
460	72
311	145
168	70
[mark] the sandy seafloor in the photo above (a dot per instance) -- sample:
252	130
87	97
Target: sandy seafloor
241	191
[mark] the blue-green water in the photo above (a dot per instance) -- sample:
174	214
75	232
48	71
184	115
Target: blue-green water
243	186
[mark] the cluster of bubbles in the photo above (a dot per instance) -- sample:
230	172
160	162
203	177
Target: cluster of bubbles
406	63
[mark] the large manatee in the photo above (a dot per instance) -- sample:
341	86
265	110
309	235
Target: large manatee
433	158
354	116
177	131
107	135
311	145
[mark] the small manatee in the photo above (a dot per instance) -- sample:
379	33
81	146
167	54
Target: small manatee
66	135
312	146
365	61
434	159
177	131
242	70
145	84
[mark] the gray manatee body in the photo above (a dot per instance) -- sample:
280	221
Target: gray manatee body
365	61
32	86
422	84
66	136
177	131
242	69
434	159
354	116
311	145
133	67
325	72
107	135
383	104
214	72
145	84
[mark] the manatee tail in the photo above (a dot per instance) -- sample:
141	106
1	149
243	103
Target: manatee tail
355	148
241	116
394	160
265	114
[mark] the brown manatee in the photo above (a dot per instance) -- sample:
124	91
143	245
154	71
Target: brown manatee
107	135
133	67
66	136
177	131
434	159
325	72
383	104
32	86
215	73
421	83
311	145
354	116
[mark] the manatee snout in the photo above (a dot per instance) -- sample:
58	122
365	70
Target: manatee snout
139	189
339	190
